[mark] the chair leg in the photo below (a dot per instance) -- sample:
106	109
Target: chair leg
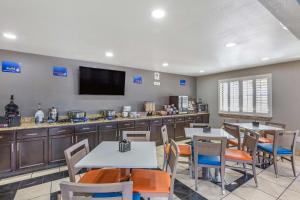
196	177
254	173
223	179
293	165
275	165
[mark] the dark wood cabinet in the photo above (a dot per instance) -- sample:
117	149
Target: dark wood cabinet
180	124
89	132
155	131
141	125
26	150
7	151
125	126
32	148
202	118
169	122
108	132
59	140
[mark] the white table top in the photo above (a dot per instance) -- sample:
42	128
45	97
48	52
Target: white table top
107	154
261	127
214	132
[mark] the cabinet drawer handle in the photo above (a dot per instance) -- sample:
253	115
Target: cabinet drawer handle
108	126
18	144
128	124
61	131
1	137
85	128
76	139
32	134
12	147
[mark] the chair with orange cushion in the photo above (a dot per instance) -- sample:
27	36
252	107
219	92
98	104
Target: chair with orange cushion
157	183
234	131
266	134
184	149
247	155
75	153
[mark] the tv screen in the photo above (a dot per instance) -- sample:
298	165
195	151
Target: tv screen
94	81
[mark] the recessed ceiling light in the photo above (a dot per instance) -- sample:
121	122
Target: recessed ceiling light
265	58
158	14
109	54
230	44
165	64
10	36
201	71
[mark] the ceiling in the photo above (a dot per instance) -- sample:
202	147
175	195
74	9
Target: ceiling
190	38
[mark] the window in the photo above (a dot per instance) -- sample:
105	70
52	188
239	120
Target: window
246	96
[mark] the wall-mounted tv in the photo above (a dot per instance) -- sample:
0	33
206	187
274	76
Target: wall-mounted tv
95	81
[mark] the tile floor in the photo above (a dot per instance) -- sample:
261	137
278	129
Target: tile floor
44	185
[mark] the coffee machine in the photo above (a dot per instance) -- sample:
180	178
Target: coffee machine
12	113
52	115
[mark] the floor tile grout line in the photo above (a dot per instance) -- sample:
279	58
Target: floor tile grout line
288	186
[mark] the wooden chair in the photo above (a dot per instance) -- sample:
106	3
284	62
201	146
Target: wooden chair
74	191
75	153
199	125
209	152
247	155
234	131
136	135
266	134
284	145
157	183
184	149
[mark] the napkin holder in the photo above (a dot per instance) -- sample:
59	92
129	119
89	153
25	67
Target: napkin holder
256	124
206	129
124	146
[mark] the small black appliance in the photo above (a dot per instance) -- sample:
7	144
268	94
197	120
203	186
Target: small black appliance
12	114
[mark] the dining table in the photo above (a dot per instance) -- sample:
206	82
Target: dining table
256	128
107	155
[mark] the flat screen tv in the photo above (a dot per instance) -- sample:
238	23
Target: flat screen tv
94	81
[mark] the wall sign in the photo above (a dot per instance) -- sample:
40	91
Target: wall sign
182	82
60	71
156	76
11	67
156	83
137	79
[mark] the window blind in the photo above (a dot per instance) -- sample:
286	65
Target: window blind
234	96
223	96
262	96
246	95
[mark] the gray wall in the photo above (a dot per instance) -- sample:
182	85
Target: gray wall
286	91
37	84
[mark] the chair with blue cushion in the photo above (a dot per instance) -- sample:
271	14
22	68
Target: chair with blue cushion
283	146
211	154
121	191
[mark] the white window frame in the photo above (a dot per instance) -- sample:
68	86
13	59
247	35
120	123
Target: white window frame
241	79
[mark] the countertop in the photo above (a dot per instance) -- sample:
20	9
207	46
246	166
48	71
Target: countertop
32	125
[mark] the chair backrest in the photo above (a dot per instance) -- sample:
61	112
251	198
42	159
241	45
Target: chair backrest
72	191
73	154
209	146
199	125
234	131
172	163
136	135
286	139
250	142
164	135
